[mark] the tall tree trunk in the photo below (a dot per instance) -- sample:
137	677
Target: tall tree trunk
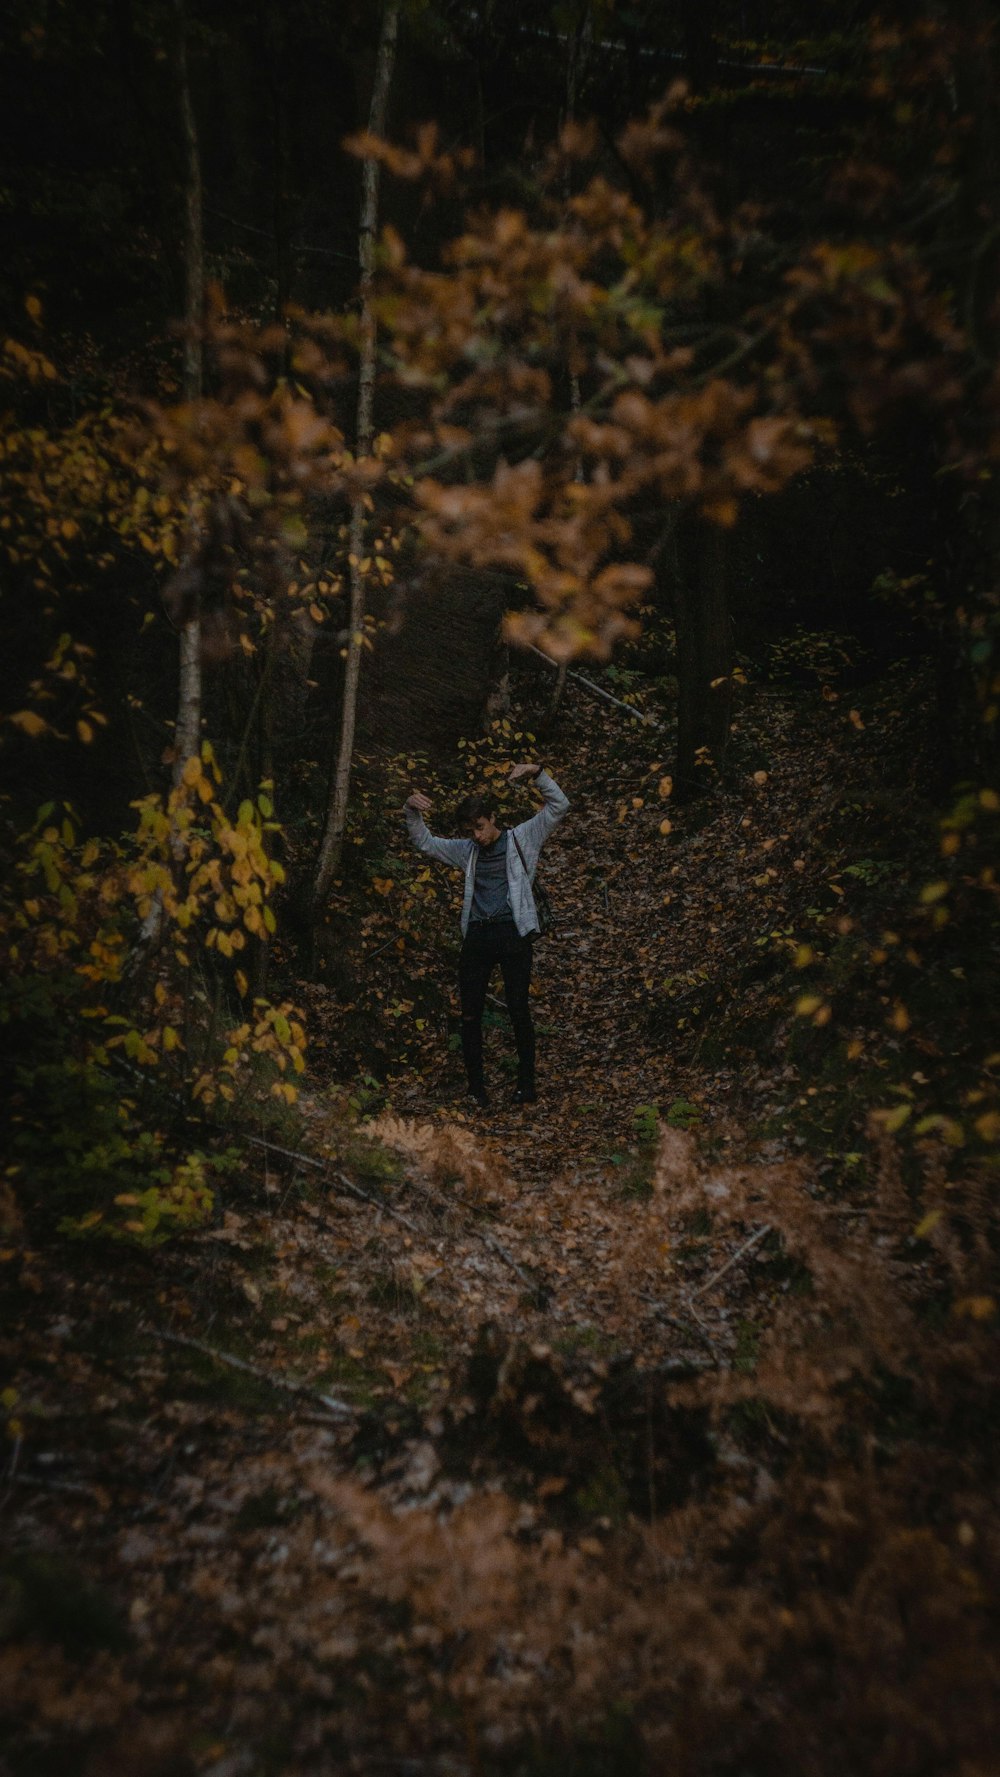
332	844
971	683
187	735
187	729
579	40
701	54
704	656
271	30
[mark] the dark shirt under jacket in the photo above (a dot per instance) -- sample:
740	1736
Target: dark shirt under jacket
491	897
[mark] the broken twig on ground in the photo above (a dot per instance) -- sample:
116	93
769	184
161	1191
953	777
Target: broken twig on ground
339	1180
285	1383
739	1254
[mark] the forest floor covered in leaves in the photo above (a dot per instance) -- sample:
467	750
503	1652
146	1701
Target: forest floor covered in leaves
640	1430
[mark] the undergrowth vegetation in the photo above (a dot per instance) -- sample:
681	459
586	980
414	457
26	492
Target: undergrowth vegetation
121	1021
654	1435
347	1424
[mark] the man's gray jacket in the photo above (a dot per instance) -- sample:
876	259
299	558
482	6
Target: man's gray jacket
530	835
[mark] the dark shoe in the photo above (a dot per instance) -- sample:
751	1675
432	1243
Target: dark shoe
526	1095
479	1097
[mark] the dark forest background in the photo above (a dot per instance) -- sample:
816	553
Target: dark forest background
390	393
96	182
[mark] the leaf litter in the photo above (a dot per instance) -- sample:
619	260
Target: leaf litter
486	1440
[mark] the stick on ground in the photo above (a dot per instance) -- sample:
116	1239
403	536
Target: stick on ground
739	1254
286	1383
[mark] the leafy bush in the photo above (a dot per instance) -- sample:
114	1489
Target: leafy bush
122	961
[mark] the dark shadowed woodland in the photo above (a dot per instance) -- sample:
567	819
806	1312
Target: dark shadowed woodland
392	394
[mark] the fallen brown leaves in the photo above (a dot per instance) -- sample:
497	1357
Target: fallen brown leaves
564	1523
646	1429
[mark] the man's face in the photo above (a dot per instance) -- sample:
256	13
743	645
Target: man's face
485	831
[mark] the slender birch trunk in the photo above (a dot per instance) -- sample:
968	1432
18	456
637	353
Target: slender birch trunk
336	819
187	729
187	735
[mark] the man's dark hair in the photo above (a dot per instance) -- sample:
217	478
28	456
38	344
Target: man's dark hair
473	808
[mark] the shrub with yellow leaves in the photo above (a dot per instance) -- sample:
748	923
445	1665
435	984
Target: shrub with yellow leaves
123	974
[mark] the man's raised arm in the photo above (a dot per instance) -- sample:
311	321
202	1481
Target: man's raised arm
447	851
538	828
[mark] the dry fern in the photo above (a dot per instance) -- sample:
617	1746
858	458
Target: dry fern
444	1154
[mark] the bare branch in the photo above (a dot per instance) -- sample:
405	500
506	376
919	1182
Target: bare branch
285	1383
739	1254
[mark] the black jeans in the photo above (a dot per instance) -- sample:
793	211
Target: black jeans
486	944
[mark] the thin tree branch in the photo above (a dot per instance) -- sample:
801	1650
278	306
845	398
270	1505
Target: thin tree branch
483	1234
699	1330
742	1251
637	715
378	1202
267	234
286	1384
48	1484
345	1184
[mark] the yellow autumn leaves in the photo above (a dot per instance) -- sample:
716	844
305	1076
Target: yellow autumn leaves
228	876
198	876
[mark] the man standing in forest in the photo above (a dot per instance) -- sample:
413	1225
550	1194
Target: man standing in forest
499	917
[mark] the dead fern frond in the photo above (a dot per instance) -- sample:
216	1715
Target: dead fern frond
445	1154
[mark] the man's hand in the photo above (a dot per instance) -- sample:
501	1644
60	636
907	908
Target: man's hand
518	771
419	801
